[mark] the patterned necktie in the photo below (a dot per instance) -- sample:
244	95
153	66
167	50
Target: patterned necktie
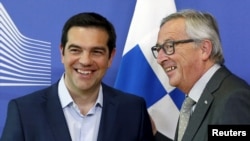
184	116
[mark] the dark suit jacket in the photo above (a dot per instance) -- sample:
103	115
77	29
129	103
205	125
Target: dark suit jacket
160	137
225	100
39	117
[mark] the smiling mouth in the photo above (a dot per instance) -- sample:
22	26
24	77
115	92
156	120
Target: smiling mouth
83	72
170	68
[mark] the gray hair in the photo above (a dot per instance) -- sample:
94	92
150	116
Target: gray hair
200	26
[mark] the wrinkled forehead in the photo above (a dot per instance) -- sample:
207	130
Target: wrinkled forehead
174	29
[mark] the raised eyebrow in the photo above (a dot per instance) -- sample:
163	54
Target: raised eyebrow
100	48
73	46
165	41
168	40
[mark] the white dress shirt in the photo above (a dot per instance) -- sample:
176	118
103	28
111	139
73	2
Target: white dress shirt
81	127
199	86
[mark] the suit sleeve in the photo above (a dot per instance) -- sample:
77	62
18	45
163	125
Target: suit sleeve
12	130
237	108
146	128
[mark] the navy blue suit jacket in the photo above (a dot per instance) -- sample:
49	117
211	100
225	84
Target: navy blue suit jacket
39	117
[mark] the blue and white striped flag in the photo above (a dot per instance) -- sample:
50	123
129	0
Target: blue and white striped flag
139	72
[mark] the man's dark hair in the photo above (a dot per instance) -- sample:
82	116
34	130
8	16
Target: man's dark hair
90	19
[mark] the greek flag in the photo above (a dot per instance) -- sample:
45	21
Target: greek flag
139	72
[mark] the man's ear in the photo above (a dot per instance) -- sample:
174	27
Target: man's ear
112	55
206	47
61	52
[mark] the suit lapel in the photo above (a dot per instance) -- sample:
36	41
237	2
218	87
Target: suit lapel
198	115
55	115
110	106
204	103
